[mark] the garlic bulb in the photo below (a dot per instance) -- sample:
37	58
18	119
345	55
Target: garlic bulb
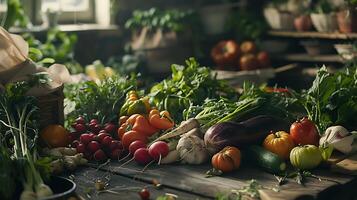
192	149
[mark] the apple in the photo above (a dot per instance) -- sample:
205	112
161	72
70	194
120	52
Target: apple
305	157
248	47
263	59
248	62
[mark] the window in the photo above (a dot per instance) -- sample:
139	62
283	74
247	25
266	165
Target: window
71	11
65	5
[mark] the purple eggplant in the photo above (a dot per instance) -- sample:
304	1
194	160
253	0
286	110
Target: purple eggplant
249	132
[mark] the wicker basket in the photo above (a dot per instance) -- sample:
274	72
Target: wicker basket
51	108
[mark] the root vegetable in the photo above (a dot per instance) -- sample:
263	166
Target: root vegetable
28	195
184	127
196	131
52	152
192	150
99	155
60	151
93	146
85	138
142	156
172	157
68	151
137	144
101	136
56	166
158	150
81	148
43	190
72	162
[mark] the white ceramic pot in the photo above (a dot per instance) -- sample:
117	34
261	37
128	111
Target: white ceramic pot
214	18
346	51
324	22
279	20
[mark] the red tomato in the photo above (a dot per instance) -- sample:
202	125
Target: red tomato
131	136
304	132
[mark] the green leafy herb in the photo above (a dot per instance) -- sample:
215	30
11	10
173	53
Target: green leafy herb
332	99
189	85
101	100
153	19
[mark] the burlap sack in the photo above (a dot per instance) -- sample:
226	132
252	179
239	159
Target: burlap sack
16	66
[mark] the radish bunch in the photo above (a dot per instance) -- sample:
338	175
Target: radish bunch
144	155
95	141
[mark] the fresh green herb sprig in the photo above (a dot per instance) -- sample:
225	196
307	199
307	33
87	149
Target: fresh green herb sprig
101	100
188	85
332	99
153	19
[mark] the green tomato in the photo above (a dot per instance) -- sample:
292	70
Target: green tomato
305	157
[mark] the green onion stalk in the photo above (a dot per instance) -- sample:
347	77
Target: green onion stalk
16	113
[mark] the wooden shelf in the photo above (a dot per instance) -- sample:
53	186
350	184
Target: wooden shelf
310	58
316	35
69	28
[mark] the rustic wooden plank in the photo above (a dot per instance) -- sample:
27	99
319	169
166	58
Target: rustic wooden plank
302	57
192	179
311	34
347	166
125	188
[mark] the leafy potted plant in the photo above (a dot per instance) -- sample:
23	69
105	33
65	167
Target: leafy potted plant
347	17
302	21
160	36
214	15
278	15
323	17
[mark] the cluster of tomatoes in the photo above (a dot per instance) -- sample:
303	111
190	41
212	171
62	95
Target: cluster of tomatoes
229	55
95	141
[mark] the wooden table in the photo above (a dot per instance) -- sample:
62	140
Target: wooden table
189	182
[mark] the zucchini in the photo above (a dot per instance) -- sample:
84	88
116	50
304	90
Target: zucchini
265	159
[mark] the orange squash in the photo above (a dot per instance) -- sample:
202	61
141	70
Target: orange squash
279	143
228	159
55	136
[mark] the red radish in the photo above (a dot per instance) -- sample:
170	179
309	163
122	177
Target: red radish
99	155
144	194
80	120
107	140
137	144
81	148
80	128
101	136
93	146
115	144
102	131
109	127
92	136
72	137
93	121
142	156
115	154
74	125
95	128
85	138
75	143
159	150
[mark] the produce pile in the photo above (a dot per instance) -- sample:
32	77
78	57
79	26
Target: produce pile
229	55
190	117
